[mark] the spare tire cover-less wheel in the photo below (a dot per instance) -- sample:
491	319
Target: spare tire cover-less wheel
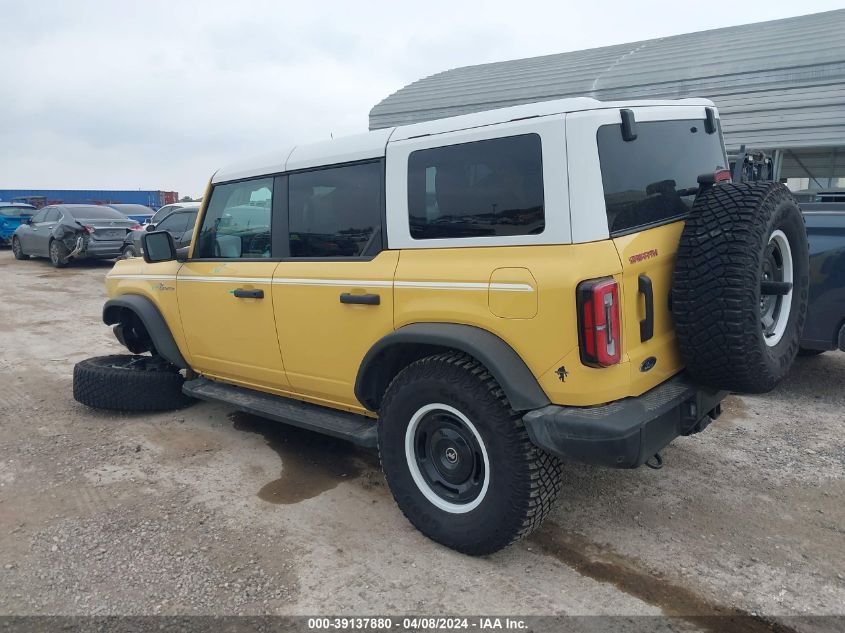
125	382
740	286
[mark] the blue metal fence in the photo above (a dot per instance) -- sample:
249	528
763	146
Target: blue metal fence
40	197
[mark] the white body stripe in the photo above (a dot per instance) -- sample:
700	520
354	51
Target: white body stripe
224	280
286	281
373	283
145	277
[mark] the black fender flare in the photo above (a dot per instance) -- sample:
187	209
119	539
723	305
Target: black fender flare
154	323
507	367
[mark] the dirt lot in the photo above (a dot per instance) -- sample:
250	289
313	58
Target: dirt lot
208	511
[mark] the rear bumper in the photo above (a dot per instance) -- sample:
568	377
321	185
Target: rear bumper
101	249
625	433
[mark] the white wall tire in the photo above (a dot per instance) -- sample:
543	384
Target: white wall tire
516	483
775	309
423	482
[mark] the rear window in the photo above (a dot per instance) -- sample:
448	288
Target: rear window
16	211
654	178
479	189
94	213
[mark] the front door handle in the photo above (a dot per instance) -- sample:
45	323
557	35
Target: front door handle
367	300
240	293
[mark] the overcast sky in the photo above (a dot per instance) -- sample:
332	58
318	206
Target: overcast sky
159	94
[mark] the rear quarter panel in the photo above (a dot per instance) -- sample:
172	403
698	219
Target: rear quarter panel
523	294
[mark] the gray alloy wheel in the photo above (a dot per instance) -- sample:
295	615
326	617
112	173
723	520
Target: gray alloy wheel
17	249
58	254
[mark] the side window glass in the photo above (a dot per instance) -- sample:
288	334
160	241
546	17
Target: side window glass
175	223
336	212
237	222
190	220
479	189
39	217
52	215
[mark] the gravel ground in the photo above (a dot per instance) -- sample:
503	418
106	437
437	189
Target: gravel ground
212	512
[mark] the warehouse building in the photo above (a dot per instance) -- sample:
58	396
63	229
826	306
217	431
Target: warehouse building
779	87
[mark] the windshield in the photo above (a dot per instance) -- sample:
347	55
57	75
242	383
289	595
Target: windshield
94	213
654	178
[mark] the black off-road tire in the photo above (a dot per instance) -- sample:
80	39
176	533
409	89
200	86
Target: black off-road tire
523	480
17	249
58	253
125	382
716	289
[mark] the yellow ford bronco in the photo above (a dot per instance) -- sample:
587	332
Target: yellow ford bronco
480	297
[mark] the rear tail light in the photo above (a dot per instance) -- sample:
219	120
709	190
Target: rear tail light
722	175
135	227
599	331
88	228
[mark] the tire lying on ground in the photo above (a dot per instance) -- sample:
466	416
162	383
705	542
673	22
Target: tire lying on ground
125	382
740	286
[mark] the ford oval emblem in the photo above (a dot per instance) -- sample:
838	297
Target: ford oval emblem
648	363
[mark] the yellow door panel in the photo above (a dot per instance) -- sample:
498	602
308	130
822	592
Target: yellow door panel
324	339
650	254
228	336
513	293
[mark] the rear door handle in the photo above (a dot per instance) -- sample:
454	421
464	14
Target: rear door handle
647	324
240	293
368	300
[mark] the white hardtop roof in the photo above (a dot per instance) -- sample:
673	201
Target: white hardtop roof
373	144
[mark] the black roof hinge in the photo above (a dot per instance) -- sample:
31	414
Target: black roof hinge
709	120
629	125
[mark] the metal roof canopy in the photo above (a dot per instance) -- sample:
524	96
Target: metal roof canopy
779	85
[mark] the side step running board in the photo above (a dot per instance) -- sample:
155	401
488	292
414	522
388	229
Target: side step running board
357	429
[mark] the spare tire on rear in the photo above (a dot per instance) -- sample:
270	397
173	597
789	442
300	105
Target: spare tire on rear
124	382
740	286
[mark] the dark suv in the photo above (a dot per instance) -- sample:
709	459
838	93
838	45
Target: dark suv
180	224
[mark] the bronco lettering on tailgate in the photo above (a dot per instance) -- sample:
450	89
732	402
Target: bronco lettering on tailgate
639	257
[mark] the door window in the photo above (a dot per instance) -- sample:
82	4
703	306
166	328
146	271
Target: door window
237	222
52	215
484	188
39	217
175	223
336	212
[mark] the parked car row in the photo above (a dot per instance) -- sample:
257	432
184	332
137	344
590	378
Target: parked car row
69	232
72	231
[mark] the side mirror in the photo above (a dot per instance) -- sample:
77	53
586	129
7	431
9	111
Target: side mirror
158	246
150	227
28	220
